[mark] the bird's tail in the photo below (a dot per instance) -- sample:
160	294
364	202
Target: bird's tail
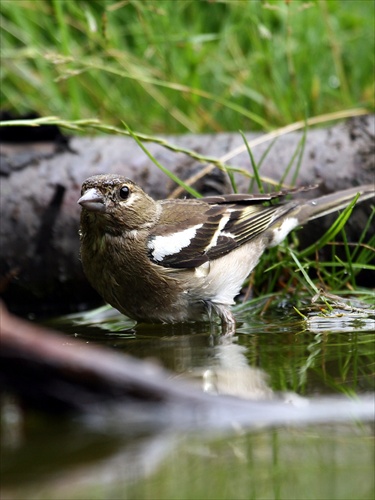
324	205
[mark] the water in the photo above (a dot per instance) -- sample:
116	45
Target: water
282	357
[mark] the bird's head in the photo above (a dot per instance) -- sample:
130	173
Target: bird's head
116	202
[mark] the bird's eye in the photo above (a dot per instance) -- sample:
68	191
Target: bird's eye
124	192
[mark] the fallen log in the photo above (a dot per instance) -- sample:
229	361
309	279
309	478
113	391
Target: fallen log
40	185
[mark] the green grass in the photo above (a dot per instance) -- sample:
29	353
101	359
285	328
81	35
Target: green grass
291	270
186	65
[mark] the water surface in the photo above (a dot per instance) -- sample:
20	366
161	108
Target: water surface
277	356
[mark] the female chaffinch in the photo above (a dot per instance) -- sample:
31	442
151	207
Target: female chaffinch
174	260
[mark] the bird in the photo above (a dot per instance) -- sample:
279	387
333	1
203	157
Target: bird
184	260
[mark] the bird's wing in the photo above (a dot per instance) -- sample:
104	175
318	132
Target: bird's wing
201	231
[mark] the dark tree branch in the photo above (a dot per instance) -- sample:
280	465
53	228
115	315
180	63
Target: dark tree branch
39	254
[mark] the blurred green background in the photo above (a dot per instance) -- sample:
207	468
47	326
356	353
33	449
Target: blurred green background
175	66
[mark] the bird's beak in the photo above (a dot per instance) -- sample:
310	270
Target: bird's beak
92	200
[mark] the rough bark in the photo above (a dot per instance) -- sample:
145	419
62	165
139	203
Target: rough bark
39	256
